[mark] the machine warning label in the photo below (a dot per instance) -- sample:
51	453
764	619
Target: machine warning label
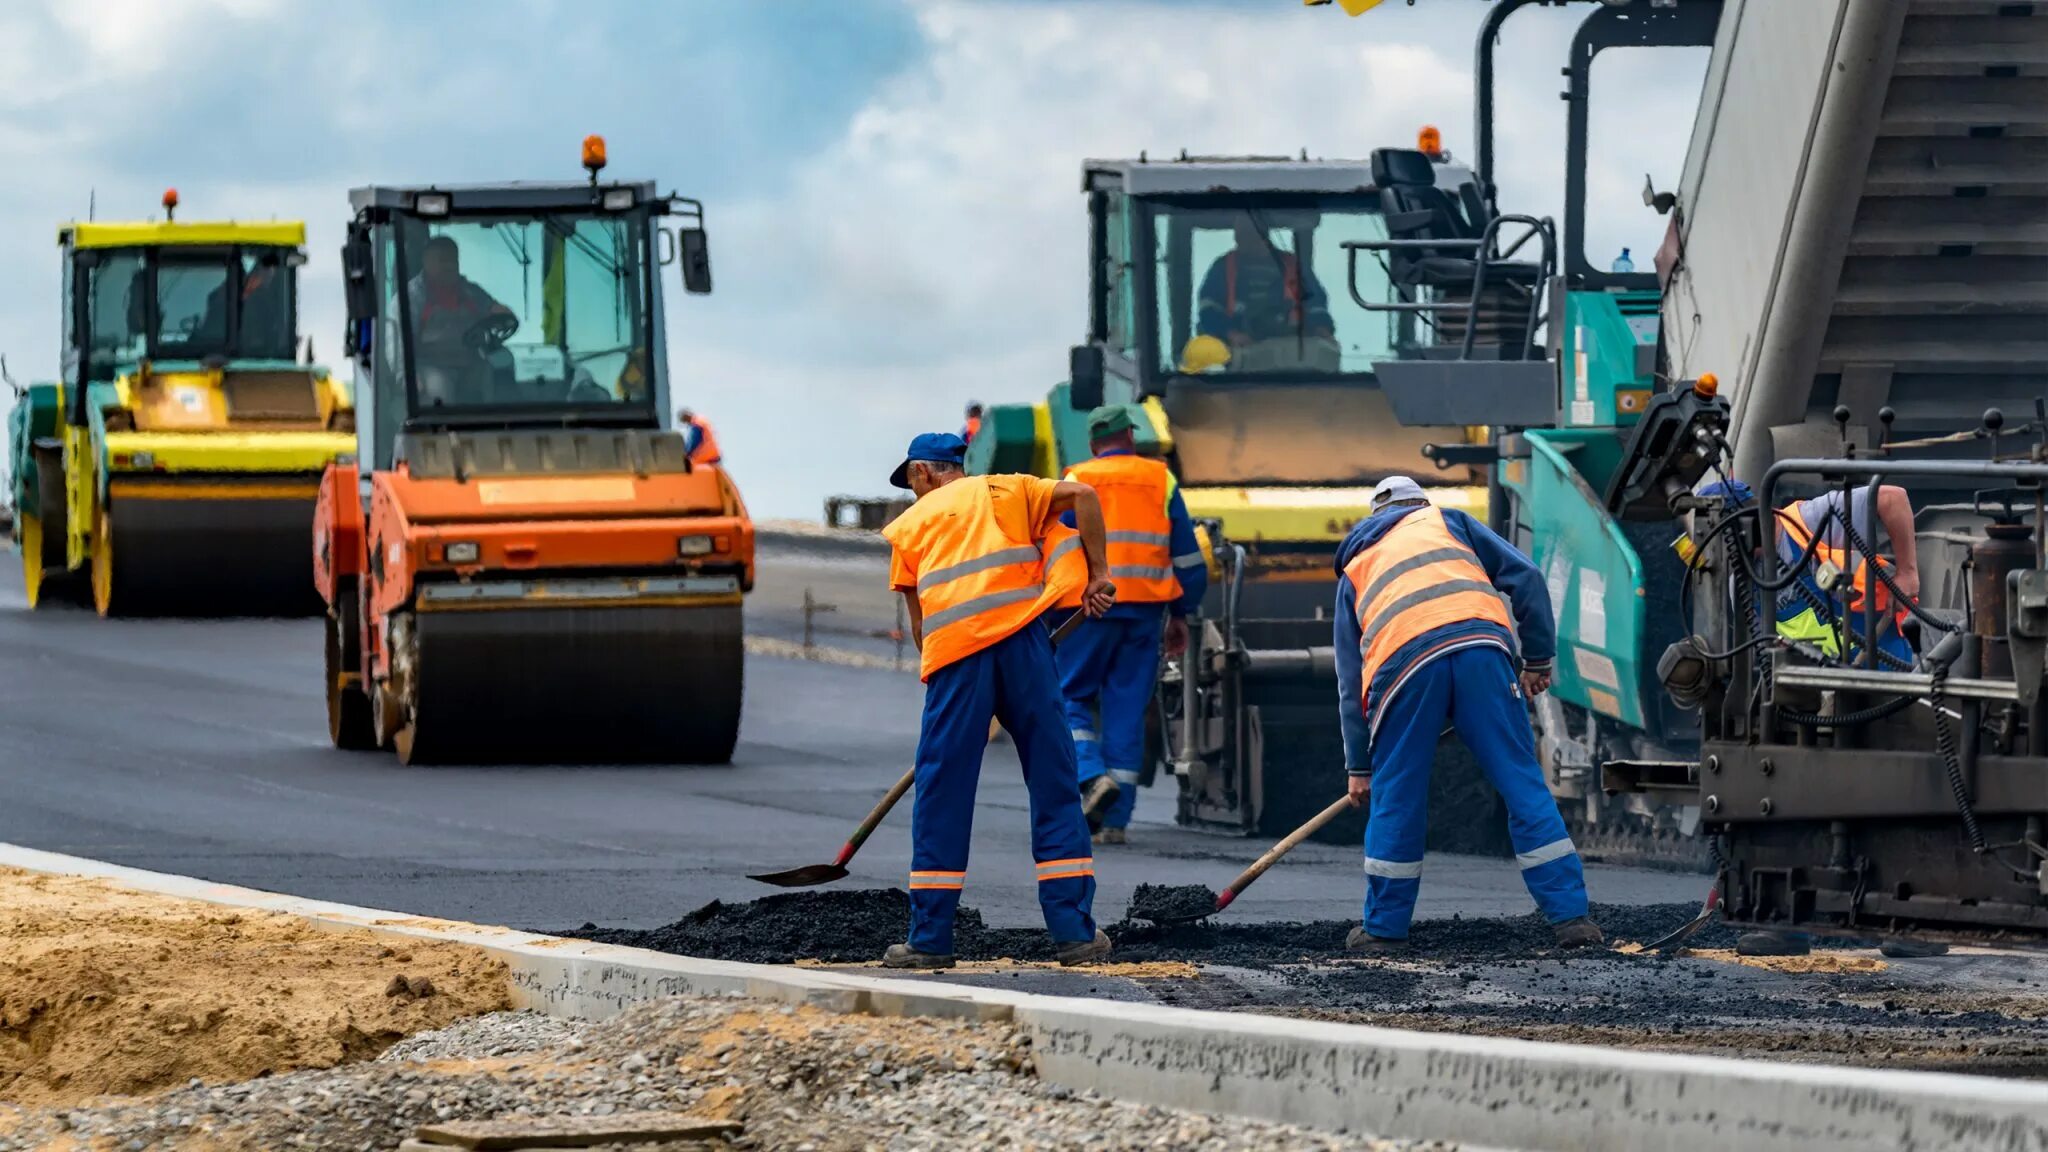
578	490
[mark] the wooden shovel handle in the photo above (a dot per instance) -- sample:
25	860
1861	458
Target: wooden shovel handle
874	818
1274	853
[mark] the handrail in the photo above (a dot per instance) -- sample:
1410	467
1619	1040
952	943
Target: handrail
1542	228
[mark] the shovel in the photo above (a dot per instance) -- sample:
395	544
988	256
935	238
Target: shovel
811	875
1672	941
1258	868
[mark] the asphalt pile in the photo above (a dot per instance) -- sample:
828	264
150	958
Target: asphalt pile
1170	902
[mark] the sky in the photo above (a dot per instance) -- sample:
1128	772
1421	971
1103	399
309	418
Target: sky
891	186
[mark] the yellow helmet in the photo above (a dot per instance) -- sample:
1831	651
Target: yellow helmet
1203	353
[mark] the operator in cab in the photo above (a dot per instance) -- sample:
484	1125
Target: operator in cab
1423	641
703	443
446	307
1108	667
1256	292
978	559
265	314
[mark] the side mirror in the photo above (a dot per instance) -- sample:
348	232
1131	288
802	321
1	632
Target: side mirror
1084	377
696	255
357	271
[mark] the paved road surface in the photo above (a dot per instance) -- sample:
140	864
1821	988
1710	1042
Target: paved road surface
199	747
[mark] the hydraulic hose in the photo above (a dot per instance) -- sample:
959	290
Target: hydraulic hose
1884	577
1951	761
1854	719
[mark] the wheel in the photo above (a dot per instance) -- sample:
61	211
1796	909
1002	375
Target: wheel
104	599
30	529
349	723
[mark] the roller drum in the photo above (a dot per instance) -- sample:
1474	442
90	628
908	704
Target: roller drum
573	684
244	556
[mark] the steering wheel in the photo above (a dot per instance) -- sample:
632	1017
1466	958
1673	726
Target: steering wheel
490	333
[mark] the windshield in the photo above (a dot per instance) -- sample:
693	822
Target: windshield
1262	286
189	304
523	312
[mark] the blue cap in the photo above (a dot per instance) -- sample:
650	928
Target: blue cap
933	448
1734	491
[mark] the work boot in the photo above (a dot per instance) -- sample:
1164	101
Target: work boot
1096	797
1912	949
1083	951
1363	943
1112	836
904	956
1578	932
1773	944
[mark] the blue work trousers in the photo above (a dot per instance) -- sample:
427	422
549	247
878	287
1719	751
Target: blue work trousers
1108	668
1014	681
1476	690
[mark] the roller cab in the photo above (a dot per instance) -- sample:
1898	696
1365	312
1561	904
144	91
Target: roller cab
175	465
522	563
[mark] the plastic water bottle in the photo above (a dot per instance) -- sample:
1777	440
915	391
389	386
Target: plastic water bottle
1622	264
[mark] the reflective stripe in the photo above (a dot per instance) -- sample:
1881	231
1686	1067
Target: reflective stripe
1188	560
1074	868
1081	734
1393	869
1421	596
1061	549
945	881
1127	775
1555	850
1422	560
1120	536
1139	571
1002	559
978	605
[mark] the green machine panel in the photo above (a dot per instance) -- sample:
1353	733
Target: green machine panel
1593	573
1610	357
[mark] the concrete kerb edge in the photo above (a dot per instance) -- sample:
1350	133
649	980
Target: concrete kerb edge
1476	1090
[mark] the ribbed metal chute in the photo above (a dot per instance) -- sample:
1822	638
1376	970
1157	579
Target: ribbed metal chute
1942	305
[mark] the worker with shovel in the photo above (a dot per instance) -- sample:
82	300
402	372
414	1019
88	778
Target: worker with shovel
1108	669
977	560
1422	640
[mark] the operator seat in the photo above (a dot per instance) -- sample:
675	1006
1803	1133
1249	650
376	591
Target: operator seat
1416	208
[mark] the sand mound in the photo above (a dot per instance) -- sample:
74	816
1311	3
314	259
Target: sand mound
108	991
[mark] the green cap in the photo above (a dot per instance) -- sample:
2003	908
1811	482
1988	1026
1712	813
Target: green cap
1109	420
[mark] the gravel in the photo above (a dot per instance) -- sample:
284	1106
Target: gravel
797	1078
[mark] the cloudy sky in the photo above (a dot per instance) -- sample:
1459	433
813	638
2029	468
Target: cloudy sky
891	185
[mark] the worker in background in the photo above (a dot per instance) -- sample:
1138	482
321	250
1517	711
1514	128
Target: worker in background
1423	641
1108	668
972	426
1809	615
697	434
977	560
1256	292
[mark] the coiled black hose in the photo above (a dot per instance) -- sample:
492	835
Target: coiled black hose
1951	760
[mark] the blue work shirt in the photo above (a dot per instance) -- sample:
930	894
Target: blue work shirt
1189	569
1514	574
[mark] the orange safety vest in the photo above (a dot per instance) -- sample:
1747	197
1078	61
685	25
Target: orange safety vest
1134	492
1793	525
981	575
973	426
1416	579
706	451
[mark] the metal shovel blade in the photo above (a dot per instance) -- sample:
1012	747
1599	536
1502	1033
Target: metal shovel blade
1672	941
807	876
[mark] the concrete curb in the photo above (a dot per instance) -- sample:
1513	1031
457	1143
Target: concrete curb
1475	1090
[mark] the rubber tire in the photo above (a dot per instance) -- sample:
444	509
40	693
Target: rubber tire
349	723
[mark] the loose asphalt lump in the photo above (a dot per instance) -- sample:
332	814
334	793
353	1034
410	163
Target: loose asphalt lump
796	1079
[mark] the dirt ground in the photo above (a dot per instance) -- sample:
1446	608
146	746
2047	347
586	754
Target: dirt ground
109	991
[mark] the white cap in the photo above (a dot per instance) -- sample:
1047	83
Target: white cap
1395	488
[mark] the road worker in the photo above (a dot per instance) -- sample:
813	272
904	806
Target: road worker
977	559
1257	292
698	435
1422	641
1108	668
972	424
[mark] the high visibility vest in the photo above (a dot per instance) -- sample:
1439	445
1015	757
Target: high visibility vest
968	431
1134	492
981	576
706	451
1793	525
1416	579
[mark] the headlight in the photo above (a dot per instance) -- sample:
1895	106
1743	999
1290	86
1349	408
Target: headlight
463	552
618	199
431	203
693	546
143	460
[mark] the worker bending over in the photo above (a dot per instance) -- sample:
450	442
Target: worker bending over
1108	668
978	559
697	436
1423	640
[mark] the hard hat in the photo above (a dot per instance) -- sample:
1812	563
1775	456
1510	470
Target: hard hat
1203	353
